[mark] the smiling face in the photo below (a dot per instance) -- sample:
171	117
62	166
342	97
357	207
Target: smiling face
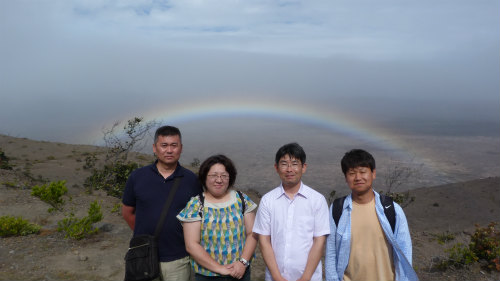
217	182
360	179
290	171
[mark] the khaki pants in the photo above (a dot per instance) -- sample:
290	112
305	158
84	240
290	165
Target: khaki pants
175	270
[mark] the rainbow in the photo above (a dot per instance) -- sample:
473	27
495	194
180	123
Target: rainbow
331	120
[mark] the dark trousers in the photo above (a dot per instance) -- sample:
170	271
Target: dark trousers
246	277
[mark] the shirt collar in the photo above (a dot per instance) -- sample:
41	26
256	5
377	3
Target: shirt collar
303	191
179	170
349	199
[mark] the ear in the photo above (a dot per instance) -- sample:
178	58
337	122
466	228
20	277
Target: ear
154	148
276	167
304	168
374	173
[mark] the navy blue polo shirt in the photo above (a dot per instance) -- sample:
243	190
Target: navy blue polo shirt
147	191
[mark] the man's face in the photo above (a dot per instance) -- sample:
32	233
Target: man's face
360	179
168	149
290	170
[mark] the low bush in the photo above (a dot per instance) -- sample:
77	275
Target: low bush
90	161
52	194
402	198
81	228
10	184
484	246
112	178
4	161
15	226
485	243
116	208
444	237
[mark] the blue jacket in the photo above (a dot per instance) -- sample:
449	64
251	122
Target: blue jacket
338	244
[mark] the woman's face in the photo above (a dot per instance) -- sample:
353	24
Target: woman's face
217	181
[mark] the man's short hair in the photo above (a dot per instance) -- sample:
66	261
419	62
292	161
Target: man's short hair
167	131
217	159
294	150
357	158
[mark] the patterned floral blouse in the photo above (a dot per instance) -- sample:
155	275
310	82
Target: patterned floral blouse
222	228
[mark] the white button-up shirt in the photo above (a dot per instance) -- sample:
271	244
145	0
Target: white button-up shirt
292	225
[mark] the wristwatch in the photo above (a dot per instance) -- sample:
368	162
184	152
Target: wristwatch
244	262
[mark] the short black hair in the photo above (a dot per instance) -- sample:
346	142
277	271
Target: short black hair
294	150
167	131
357	158
217	159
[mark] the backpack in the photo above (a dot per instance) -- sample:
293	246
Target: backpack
387	204
202	201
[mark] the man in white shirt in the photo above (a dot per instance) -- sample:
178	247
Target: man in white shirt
292	222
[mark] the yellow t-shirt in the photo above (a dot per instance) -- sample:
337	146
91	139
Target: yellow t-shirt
371	254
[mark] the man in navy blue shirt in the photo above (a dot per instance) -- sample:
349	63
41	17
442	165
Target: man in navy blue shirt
145	194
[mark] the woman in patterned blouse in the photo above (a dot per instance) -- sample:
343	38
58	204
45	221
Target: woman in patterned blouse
218	224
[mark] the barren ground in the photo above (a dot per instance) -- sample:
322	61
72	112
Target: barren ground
452	208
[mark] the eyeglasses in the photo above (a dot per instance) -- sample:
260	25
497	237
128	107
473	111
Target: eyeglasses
285	165
215	177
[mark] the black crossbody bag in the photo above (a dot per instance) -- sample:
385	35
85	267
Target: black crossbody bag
141	261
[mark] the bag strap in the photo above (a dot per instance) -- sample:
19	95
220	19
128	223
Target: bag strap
338	207
164	212
202	204
387	204
389	210
243	205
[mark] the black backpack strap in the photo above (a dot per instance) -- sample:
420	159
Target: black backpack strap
170	198
390	212
202	202
243	204
338	207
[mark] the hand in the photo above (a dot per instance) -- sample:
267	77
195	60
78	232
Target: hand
224	270
238	270
303	279
279	278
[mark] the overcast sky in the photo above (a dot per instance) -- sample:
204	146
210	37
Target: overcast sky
68	68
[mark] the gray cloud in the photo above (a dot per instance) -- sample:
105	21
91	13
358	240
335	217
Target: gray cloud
79	64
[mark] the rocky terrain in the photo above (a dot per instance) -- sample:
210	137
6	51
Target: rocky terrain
447	209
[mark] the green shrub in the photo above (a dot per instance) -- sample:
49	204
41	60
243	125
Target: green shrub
116	208
80	228
196	163
4	161
458	256
90	161
52	194
9	184
402	198
112	178
12	226
484	245
444	237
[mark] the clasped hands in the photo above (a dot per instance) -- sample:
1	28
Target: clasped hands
235	270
